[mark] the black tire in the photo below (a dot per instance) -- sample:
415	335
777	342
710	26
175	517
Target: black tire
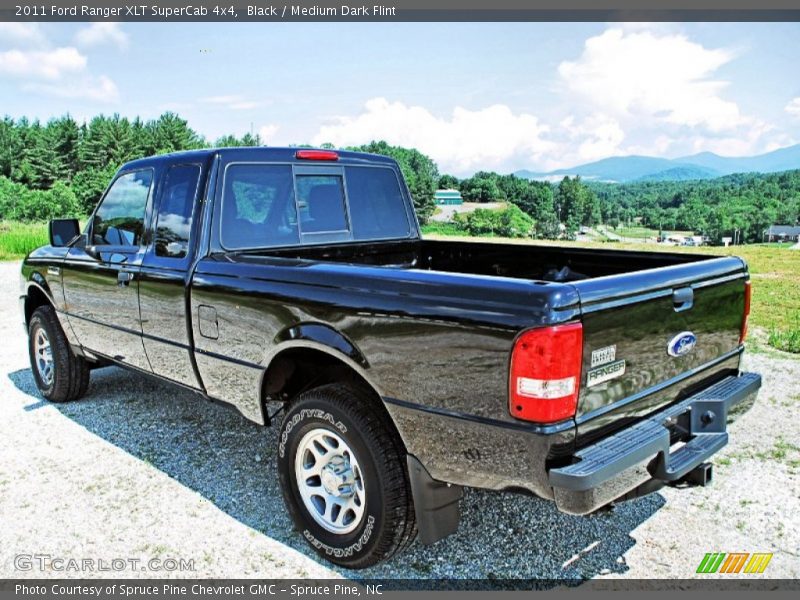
388	523
70	373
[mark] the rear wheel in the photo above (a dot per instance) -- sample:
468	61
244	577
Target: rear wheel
60	375
344	479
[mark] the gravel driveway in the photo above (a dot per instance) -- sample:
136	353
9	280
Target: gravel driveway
139	469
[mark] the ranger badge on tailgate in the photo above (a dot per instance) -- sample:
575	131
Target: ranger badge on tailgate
604	367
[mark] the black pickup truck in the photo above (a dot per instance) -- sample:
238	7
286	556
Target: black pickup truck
295	282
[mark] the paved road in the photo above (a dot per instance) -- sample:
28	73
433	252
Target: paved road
141	470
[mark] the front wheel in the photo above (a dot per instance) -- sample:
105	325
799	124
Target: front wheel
343	475
60	375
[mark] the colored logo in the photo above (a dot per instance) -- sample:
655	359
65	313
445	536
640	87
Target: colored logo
734	562
682	344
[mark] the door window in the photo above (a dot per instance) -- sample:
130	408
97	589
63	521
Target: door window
175	211
119	220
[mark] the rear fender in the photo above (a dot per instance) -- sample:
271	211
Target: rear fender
323	337
330	345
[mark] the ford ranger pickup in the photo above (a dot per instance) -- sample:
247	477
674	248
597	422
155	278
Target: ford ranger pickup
294	285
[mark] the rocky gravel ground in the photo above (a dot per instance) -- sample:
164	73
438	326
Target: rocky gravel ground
139	469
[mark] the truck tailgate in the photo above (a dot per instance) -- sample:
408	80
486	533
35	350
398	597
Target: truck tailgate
638	330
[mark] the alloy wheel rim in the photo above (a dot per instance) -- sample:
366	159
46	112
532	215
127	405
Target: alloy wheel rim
43	355
330	481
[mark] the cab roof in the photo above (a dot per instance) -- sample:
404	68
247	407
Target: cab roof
259	153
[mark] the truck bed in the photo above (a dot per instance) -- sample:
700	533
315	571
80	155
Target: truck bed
517	261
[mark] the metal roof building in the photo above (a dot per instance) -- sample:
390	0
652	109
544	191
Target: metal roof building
448	197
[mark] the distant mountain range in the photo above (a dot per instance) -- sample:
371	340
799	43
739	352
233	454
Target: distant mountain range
705	165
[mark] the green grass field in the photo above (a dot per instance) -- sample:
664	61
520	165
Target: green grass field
643	233
17	239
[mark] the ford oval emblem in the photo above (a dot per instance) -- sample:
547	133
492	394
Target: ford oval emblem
682	344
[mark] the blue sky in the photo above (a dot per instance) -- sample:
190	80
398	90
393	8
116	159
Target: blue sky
473	96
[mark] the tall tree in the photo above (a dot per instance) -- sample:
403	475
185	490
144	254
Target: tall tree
482	187
231	141
171	134
447	182
570	202
65	136
10	146
40	164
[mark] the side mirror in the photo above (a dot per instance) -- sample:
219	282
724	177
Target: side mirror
63	232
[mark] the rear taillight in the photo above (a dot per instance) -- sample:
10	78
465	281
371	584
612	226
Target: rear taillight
747	293
545	373
316	155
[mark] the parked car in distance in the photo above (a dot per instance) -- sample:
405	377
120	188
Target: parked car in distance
294	285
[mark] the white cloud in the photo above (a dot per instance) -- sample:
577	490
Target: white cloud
97	89
793	108
21	34
658	145
98	34
232	102
596	136
42	64
488	138
744	142
60	72
267	132
641	73
664	92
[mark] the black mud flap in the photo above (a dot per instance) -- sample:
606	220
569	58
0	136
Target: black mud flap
436	504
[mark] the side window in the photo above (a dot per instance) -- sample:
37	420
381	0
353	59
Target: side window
258	207
119	220
320	202
175	211
377	206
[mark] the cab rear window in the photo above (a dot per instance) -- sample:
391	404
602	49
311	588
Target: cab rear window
268	205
